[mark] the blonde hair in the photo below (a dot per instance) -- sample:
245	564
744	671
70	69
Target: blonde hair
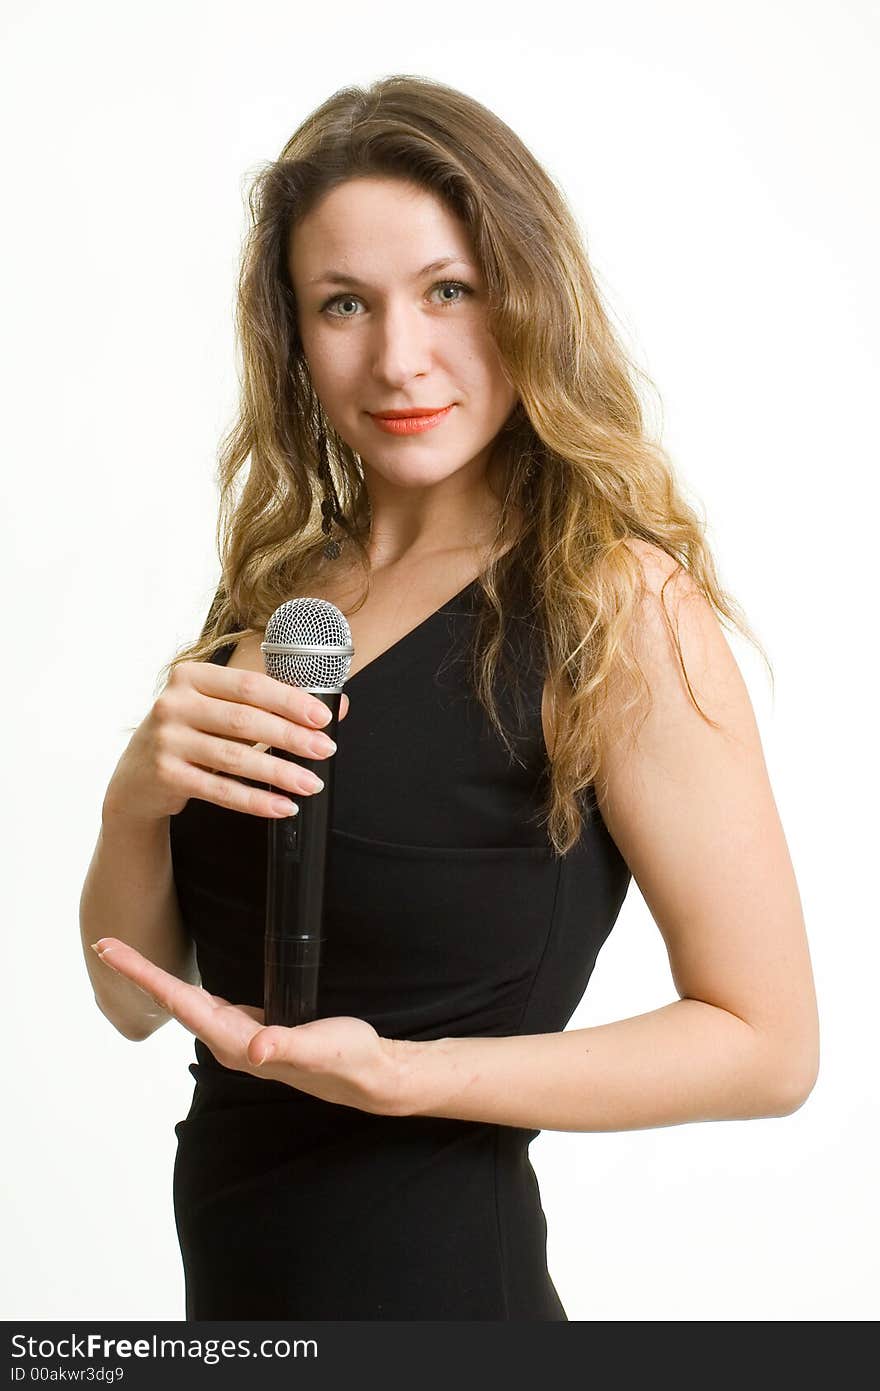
577	463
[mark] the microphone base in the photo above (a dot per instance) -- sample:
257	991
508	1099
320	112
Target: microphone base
291	980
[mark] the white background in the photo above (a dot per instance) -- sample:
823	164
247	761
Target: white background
719	159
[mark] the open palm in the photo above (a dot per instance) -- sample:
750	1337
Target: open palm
341	1059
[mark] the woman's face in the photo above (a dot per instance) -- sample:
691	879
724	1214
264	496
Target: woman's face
380	333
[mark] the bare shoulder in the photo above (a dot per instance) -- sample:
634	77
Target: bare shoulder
661	573
668	748
681	647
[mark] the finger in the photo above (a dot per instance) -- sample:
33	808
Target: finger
258	693
300	1045
224	1028
229	793
249	761
190	1004
230	729
343	706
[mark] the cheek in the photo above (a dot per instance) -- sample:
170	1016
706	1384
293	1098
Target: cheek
328	364
485	359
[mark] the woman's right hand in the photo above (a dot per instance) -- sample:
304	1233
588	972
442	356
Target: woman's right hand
208	718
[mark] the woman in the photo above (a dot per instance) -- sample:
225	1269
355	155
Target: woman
408	254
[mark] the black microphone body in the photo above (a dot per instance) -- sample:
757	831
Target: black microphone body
295	873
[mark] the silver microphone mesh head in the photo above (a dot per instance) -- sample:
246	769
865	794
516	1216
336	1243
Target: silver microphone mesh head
308	644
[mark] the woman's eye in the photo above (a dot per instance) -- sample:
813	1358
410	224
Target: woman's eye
353	299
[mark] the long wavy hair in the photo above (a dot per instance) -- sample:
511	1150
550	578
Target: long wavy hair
577	461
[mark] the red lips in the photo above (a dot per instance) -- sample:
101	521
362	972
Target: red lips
414	422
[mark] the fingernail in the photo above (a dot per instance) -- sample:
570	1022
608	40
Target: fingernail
105	957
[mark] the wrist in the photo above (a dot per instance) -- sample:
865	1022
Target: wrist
420	1078
117	824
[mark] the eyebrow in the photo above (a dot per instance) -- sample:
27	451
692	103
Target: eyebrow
338	277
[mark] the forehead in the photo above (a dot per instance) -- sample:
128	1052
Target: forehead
370	220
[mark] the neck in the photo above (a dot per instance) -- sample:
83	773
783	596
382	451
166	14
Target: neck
462	513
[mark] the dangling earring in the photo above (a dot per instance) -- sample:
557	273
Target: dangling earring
330	509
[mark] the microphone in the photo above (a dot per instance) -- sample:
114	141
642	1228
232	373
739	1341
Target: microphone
308	644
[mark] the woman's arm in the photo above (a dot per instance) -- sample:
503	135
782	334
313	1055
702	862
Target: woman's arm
688	1061
129	892
693	814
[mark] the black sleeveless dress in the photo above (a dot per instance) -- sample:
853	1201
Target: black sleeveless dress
447	913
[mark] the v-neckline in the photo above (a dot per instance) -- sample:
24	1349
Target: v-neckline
398	642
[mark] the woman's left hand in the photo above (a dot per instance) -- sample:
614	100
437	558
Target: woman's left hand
342	1059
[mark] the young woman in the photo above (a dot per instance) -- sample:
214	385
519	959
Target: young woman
542	705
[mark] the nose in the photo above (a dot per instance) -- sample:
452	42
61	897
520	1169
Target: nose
402	345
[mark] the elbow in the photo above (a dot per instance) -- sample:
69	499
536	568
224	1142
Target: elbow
786	1066
136	1031
138	1035
795	1084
